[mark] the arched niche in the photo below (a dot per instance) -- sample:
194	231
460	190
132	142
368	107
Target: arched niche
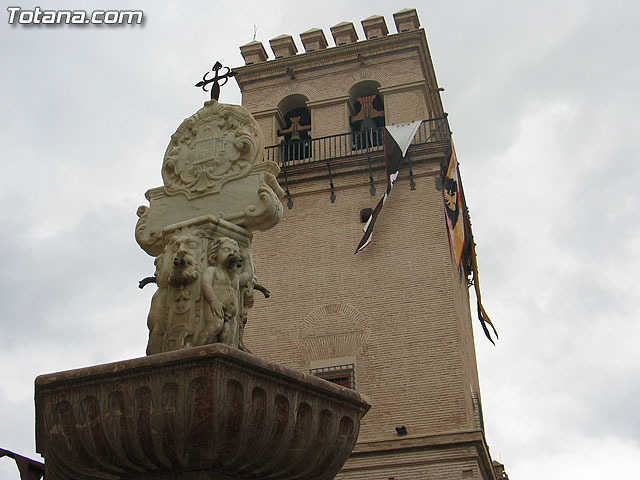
367	120
296	115
296	131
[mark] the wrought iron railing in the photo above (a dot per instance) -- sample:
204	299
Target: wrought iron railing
348	144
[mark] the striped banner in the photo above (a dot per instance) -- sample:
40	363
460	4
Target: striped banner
397	139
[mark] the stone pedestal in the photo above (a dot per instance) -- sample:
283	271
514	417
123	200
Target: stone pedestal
211	412
182	313
217	190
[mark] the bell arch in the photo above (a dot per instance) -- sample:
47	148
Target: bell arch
296	127
368	118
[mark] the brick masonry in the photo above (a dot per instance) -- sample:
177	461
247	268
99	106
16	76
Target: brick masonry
399	308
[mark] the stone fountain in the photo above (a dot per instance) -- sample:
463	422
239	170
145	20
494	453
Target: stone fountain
199	405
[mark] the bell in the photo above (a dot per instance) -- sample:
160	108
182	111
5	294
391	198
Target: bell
368	123
295	136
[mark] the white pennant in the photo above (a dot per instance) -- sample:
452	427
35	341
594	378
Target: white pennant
403	134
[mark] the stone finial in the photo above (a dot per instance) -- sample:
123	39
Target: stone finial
313	40
406	20
374	27
344	33
283	46
253	52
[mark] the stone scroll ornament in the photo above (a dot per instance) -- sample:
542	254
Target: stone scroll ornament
217	190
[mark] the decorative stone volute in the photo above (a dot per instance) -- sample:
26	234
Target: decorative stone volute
283	46
313	40
253	52
375	27
406	20
344	33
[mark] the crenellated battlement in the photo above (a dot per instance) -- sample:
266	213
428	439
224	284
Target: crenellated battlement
343	33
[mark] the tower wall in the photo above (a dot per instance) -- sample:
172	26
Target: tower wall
401	297
398	311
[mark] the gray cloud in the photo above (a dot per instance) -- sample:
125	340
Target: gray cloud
543	102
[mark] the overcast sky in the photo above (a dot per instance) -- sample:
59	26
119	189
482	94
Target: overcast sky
544	105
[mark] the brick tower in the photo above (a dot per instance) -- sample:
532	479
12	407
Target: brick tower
393	321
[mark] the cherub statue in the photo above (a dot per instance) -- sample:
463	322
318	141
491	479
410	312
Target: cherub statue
221	285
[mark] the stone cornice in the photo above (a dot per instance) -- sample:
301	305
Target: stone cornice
418	441
269	112
265	113
473	438
329	101
404	86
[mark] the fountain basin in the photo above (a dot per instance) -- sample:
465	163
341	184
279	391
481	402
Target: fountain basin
211	412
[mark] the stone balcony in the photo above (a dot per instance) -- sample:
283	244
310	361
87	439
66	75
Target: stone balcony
362	153
350	144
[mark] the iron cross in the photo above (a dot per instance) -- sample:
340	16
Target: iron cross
217	80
